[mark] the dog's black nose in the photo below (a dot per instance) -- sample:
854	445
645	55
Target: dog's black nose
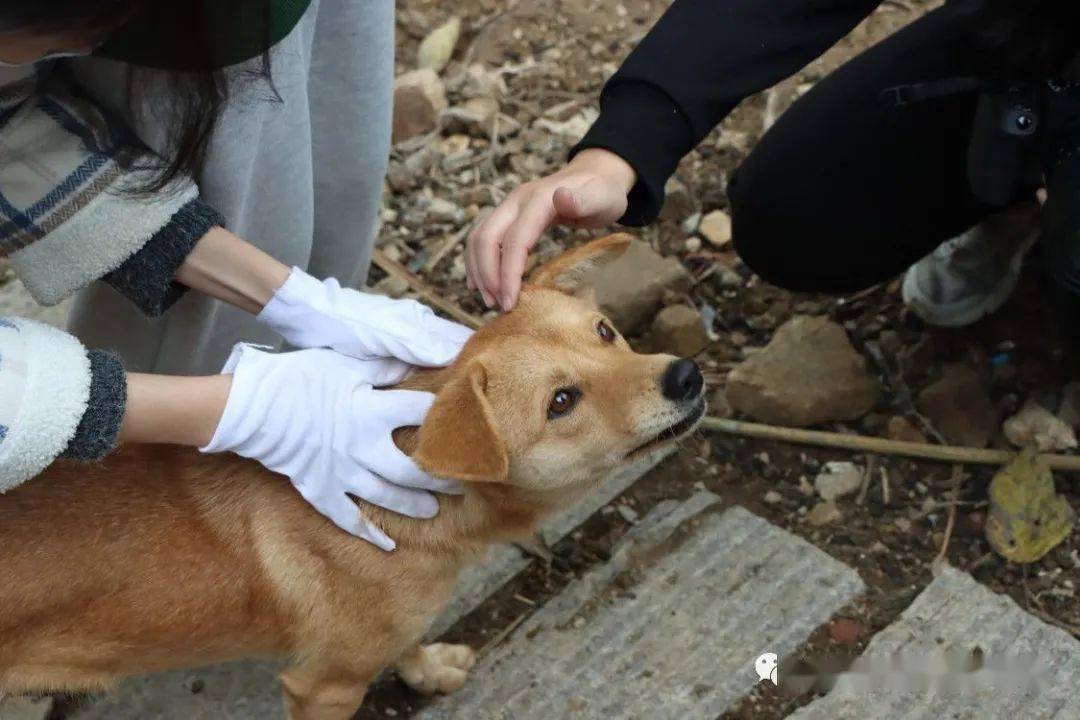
682	380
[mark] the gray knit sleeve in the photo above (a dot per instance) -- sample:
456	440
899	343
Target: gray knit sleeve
99	427
147	277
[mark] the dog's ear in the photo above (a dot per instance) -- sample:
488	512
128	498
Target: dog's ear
459	440
567	271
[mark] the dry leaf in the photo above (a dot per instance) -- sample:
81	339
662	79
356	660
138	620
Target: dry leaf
1027	518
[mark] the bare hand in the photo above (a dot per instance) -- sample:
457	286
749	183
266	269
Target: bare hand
589	192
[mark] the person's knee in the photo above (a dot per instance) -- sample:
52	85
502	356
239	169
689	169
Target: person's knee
768	237
796	245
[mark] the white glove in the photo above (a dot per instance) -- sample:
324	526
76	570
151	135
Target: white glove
309	313
316	417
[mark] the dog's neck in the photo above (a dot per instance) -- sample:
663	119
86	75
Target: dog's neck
483	514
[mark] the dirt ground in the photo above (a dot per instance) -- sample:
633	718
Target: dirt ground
892	533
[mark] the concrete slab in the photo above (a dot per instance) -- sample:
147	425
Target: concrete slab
669	628
479	582
249	690
956	613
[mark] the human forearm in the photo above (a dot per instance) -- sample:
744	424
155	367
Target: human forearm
172	409
231	269
700	60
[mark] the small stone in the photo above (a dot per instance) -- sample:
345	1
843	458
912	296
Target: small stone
903	525
419	97
391	287
570	130
824	513
678	330
457	269
390	712
808	374
805	487
692	244
475	117
838	479
690	224
393	252
194	684
627	513
958	406
437	48
1035	426
630	288
900	428
772	497
845	631
440	210
578	623
716	228
678	203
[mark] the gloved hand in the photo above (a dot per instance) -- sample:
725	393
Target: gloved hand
309	313
316	417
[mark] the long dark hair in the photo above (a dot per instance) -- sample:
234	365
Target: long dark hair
1033	38
198	87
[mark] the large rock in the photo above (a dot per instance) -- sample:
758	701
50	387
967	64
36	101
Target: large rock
630	288
959	407
678	330
419	97
808	374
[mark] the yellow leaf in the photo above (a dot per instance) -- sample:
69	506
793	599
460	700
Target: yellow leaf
436	49
1027	518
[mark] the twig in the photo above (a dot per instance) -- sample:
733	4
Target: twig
1046	617
868	474
449	244
957	478
396	269
884	485
942	453
502	635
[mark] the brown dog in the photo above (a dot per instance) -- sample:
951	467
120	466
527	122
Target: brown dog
162	558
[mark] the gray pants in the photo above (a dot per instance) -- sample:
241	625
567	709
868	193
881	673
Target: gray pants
300	179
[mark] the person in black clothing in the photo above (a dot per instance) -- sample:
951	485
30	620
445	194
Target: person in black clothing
946	130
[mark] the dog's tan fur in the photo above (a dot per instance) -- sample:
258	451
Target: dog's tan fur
161	558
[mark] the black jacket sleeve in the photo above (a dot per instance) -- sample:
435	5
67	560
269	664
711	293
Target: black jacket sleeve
701	60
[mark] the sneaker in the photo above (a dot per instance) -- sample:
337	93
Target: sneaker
967	278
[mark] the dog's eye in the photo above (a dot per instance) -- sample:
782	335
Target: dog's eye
562	402
605	331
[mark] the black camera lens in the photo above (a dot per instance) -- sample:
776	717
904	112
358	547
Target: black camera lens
1020	120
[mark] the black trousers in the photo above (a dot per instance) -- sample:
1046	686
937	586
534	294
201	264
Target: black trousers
843	191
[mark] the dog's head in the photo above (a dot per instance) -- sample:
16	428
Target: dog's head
550	395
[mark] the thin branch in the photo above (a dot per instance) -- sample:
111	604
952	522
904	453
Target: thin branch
859	443
425	291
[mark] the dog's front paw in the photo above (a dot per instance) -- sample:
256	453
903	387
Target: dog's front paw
436	668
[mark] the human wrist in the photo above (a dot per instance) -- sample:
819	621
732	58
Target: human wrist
607	164
98	429
231	269
172	409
